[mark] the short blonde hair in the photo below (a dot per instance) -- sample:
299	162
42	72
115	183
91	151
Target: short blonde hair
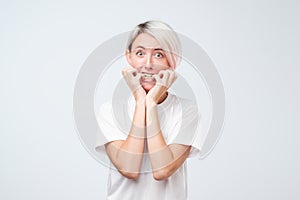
166	37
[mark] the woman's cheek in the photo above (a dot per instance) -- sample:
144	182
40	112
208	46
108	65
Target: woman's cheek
137	65
148	86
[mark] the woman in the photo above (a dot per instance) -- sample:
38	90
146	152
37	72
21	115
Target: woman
150	160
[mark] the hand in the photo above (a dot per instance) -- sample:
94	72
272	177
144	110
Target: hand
164	80
132	78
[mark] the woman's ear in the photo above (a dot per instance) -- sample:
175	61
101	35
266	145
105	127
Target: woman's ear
128	57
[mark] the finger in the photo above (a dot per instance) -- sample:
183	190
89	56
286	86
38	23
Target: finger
170	77
131	72
134	73
156	77
125	70
161	74
138	75
173	76
159	77
165	77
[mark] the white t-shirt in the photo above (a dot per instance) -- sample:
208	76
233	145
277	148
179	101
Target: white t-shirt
179	119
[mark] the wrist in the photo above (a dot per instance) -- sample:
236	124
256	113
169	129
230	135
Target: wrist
150	103
140	102
139	95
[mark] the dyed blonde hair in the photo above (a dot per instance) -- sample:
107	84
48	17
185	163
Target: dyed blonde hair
166	37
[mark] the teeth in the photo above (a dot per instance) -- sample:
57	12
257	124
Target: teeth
147	75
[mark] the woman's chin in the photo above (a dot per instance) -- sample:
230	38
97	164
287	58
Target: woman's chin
148	86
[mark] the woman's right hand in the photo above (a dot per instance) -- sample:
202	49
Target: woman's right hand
132	78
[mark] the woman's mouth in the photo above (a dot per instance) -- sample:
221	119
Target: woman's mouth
147	77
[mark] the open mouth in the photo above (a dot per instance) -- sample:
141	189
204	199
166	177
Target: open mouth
147	77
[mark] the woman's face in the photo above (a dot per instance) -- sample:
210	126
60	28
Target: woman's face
148	57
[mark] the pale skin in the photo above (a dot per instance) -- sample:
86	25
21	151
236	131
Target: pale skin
149	78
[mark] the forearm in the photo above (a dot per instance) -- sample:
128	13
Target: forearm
165	159
159	152
136	137
129	154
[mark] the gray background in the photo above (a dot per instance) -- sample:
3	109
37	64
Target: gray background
253	44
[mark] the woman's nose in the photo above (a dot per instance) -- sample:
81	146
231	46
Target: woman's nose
148	67
149	60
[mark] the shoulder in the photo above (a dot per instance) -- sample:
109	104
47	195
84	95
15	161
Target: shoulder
103	109
187	106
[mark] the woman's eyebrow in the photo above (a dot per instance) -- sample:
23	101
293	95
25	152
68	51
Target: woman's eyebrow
156	49
139	47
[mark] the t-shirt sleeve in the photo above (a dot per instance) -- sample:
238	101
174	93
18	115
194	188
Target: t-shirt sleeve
186	128
108	129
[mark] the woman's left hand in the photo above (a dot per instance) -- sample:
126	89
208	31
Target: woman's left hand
164	80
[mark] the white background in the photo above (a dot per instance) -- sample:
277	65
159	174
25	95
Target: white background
254	45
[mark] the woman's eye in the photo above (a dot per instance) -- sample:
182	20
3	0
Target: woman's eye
139	53
159	55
